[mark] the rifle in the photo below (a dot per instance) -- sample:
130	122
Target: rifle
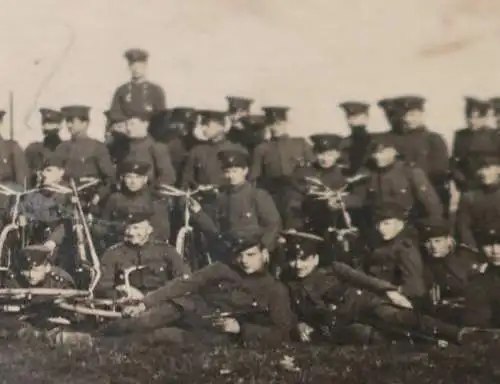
11	115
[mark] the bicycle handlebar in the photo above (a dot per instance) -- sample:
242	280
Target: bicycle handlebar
169	190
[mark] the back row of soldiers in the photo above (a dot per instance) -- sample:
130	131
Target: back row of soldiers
263	178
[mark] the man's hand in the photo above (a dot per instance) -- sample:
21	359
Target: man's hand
95	200
134	310
129	294
227	324
50	245
194	206
398	299
305	331
22	221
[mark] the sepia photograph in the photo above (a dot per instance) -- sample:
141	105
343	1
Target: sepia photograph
250	191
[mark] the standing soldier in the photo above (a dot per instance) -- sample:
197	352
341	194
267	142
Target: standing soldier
85	158
480	206
13	167
420	147
138	96
356	147
495	102
202	165
38	152
473	143
142	147
116	137
274	162
238	110
388	105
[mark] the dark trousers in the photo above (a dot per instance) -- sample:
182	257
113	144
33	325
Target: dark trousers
371	309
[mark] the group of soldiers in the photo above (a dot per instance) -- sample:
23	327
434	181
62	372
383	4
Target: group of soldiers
337	239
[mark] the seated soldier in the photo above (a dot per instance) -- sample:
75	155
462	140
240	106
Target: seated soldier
150	263
134	195
396	259
482	301
237	298
342	305
305	209
33	269
240	208
47	214
447	267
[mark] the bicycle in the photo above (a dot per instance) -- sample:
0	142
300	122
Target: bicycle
186	241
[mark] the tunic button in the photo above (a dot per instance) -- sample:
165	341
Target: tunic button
332	307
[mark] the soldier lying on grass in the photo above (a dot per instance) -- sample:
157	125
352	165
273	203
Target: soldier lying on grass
237	300
339	304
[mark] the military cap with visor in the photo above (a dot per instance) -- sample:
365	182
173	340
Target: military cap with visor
275	114
390	210
298	244
135	166
409	103
33	256
352	108
236	103
51	115
433	227
325	142
232	158
136	54
474	105
208	115
76	111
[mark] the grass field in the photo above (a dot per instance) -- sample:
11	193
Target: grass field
32	362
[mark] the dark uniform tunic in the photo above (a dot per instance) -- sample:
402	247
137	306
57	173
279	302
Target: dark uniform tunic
399	262
138	98
87	157
146	150
428	151
475	209
333	300
470	147
162	263
310	213
260	303
13	168
482	301
447	278
356	151
120	204
405	185
202	165
243	211
38	152
275	161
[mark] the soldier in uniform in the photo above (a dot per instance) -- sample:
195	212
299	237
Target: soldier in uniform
37	152
142	147
392	113
396	258
85	158
116	136
275	161
304	209
202	165
495	102
393	180
177	135
240	209
236	300
139	96
342	305
472	144
420	147
356	147
156	261
238	111
478	206
447	267
482	301
134	195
